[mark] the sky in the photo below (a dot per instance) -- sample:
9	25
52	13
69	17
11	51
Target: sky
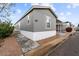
64	11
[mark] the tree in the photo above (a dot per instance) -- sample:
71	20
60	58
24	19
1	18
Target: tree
6	27
6	10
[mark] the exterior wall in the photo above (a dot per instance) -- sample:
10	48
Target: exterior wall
40	16
24	23
37	30
65	26
60	27
40	25
36	36
17	26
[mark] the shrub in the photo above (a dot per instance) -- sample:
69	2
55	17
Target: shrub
68	29
6	29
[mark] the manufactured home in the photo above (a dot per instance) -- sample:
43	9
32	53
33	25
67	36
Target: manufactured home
60	26
38	23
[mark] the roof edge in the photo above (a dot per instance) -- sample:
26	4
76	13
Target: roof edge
36	7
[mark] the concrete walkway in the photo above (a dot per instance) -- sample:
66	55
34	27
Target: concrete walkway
45	48
25	43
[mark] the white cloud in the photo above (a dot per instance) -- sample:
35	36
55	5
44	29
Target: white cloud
61	13
52	7
63	18
68	6
45	4
25	4
35	3
68	13
74	5
18	11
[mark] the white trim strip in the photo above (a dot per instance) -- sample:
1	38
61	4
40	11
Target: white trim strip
36	36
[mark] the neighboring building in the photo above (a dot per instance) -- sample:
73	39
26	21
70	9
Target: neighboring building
38	23
60	26
68	24
77	28
73	27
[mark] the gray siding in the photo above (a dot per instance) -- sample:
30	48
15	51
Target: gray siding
40	15
24	24
40	25
17	27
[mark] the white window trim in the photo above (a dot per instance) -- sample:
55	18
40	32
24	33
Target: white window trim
48	18
19	25
28	19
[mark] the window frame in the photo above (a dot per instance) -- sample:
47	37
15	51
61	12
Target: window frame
28	19
48	19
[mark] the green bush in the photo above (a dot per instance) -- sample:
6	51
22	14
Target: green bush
6	29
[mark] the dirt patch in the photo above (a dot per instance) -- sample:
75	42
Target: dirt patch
10	47
1	42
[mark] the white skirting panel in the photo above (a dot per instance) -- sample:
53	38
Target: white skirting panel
36	36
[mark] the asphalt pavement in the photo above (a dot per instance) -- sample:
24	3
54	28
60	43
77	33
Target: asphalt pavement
69	48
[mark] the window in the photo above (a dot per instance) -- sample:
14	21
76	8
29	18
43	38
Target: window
28	19
48	22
